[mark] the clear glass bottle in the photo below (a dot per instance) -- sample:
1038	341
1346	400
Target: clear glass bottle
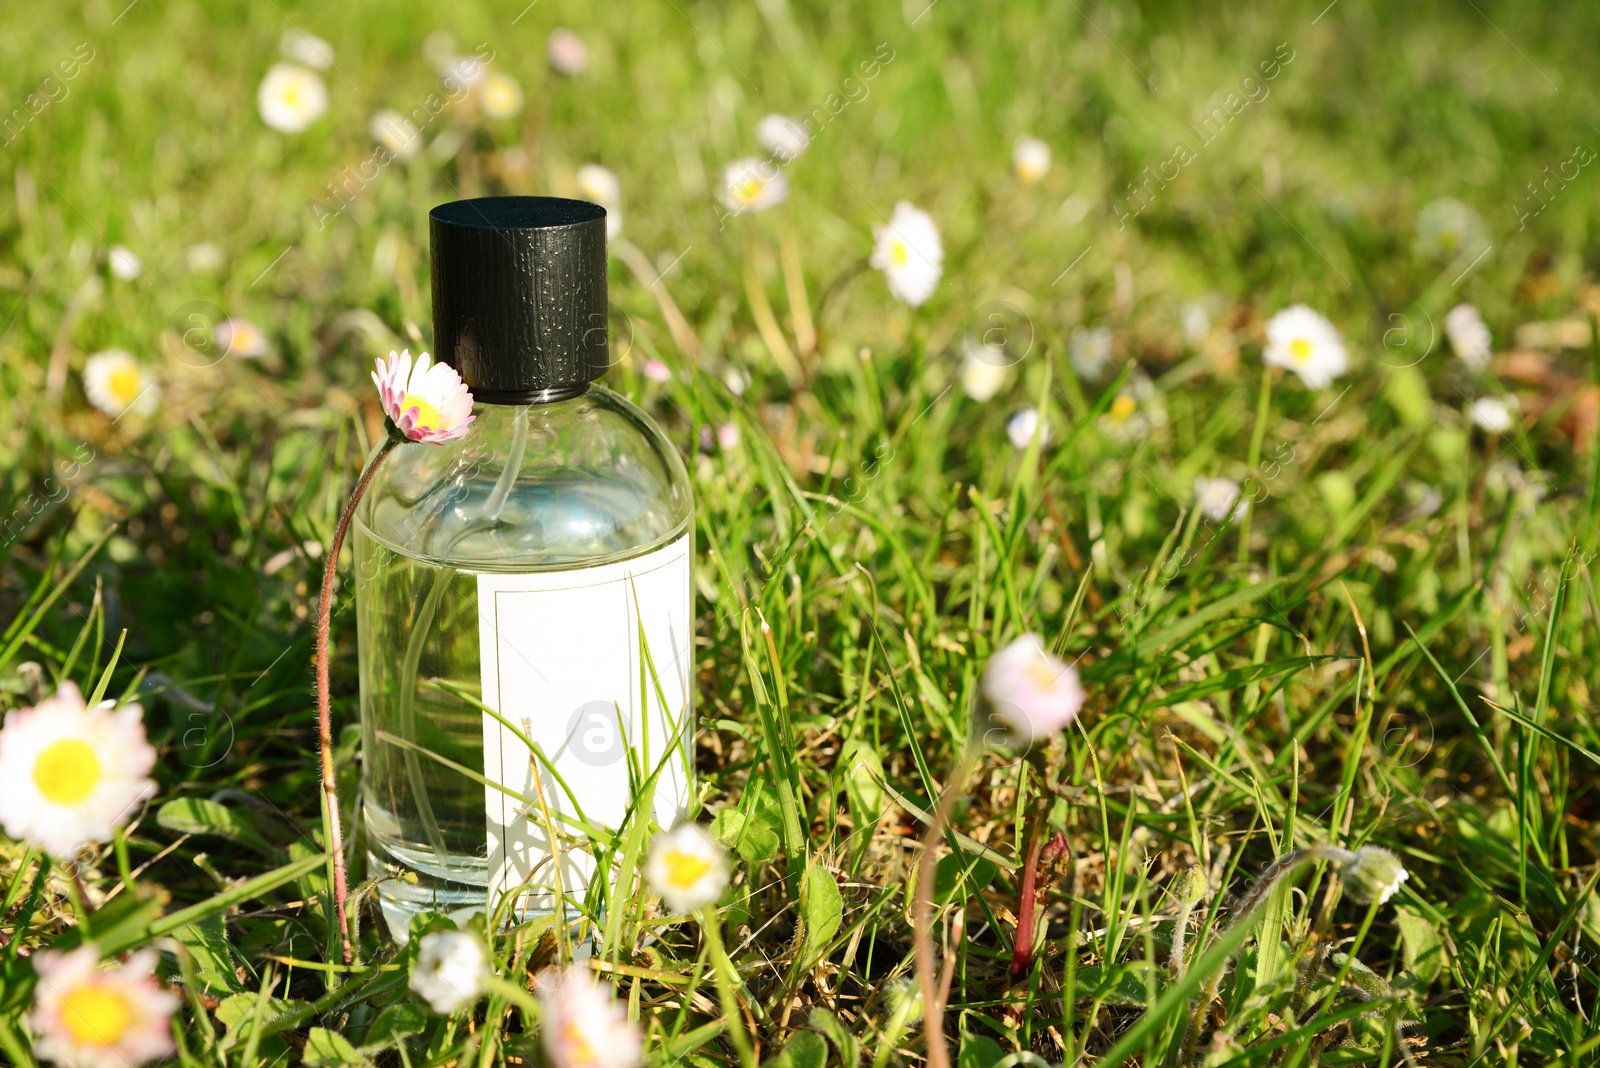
528	581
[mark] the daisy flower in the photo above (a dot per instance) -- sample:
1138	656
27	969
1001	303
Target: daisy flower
567	53
1215	498
599	185
396	133
291	98
1492	415
753	184
1374	874
426	401
782	137
686	868
1196	322
123	263
204	258
1021	427
1469	336
69	774
1307	344
1030	692
501	96
983	370
306	49
463	72
240	337
1030	159
86	1018
450	972
656	371
584	1026
909	253
1134	411
1090	351
1447	227
728	436
116	383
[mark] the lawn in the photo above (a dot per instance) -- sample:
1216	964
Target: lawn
1326	579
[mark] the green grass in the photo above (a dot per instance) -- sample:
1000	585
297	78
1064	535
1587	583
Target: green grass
1399	648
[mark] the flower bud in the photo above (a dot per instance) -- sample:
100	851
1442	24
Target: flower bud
1374	875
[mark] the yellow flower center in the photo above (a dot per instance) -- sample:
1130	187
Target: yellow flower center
1043	673
124	384
578	1050
1123	407
748	189
899	254
1449	240
1300	349
67	772
96	1015
1028	170
428	417
685	869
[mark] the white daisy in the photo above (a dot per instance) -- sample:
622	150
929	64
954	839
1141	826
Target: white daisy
1215	497
686	868
291	98
426	401
451	971
463	72
204	258
116	383
1090	352
306	49
1030	692
567	53
1307	344
656	371
396	133
1134	411
240	337
1447	227
70	775
753	184
501	96
1030	159
983	370
728	436
1492	415
123	263
1021	427
1196	322
782	137
584	1026
599	185
909	253
86	1018
1469	336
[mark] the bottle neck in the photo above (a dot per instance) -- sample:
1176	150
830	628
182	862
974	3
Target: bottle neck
518	398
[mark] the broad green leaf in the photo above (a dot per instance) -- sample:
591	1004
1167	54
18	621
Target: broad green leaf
198	815
978	1051
207	943
753	837
822	907
805	1050
961	872
236	1010
399	1021
329	1049
1421	947
827	1023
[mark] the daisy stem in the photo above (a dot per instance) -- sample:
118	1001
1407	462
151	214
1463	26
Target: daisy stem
727	980
1253	477
922	918
330	790
119	842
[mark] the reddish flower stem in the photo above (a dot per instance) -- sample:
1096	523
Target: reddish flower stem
330	789
1039	854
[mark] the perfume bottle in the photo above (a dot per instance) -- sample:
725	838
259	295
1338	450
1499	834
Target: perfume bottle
526	583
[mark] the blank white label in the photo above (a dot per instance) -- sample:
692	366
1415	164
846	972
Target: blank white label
562	659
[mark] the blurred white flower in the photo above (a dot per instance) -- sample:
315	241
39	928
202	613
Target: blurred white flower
451	971
728	436
1469	336
736	380
1374	875
656	371
1215	497
291	98
115	383
1492	415
123	263
1090	352
501	96
983	370
567	53
1196	322
86	1018
70	774
1031	692
584	1026
240	337
463	72
1134	411
438	48
1307	344
306	49
782	137
909	253
599	185
753	184
1447	227
686	868
1030	159
1021	427
204	258
396	133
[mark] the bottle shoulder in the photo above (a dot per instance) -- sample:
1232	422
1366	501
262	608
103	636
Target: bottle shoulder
567	484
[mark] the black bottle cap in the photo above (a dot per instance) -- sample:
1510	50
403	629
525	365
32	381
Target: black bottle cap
519	296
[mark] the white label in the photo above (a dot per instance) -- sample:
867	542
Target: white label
564	660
